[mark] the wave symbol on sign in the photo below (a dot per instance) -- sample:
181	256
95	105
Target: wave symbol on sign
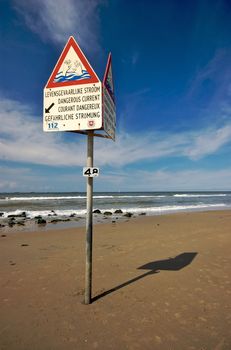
71	71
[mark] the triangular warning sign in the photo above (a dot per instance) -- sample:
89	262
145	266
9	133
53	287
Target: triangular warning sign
72	68
108	79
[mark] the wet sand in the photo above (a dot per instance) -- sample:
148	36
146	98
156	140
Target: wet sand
161	282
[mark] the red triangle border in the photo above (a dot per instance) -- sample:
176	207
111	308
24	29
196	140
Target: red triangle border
93	79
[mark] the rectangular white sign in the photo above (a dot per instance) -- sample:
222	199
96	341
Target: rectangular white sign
90	171
73	108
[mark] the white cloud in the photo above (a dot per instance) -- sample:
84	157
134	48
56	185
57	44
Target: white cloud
17	178
59	19
209	142
216	73
9	178
164	180
135	58
131	148
25	179
22	140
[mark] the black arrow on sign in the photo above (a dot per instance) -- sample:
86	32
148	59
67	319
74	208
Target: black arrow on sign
47	110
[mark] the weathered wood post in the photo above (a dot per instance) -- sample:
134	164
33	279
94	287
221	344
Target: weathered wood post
89	223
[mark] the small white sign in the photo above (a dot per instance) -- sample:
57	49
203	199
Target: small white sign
90	171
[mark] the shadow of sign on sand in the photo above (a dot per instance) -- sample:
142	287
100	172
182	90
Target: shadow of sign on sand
171	264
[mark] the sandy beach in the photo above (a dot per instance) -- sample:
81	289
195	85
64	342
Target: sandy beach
161	282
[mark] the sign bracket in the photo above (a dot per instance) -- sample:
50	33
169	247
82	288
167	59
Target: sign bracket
94	134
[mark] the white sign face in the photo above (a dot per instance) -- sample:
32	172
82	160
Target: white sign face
109	111
90	171
73	94
76	107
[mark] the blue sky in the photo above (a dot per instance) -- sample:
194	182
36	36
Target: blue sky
172	76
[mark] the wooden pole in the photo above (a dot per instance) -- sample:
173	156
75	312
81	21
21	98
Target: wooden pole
88	273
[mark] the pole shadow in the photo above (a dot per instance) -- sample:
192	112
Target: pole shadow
171	264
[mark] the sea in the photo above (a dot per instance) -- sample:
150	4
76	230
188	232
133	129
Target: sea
146	203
